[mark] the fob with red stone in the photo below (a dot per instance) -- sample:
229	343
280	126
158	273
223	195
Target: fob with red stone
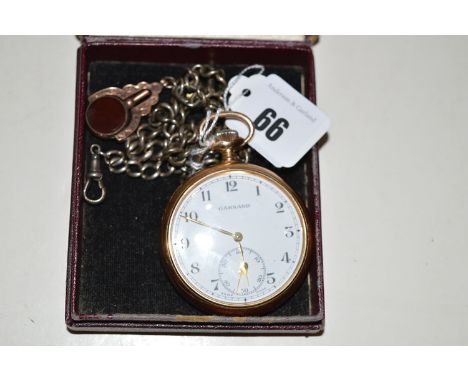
116	113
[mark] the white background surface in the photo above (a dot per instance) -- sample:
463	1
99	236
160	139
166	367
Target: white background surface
394	192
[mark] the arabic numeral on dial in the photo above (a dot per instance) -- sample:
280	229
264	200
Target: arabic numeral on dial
184	243
288	232
231	186
192	215
215	282
206	196
270	278
195	268
286	258
279	207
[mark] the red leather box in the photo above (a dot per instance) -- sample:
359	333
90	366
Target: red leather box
115	281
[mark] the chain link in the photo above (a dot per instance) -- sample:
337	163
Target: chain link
162	145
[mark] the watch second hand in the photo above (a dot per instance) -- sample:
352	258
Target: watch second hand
242	271
244	266
238	282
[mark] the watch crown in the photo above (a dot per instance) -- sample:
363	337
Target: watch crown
227	141
226	136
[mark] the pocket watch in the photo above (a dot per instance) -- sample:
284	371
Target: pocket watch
236	238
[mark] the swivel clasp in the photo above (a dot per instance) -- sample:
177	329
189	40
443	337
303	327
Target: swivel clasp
95	174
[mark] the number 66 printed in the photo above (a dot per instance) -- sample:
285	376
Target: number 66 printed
264	120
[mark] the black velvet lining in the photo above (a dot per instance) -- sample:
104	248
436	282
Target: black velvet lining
120	268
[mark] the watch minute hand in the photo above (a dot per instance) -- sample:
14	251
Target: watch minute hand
233	235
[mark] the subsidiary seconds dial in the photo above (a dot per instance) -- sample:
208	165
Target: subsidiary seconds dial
245	279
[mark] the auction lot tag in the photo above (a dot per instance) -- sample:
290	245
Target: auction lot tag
287	124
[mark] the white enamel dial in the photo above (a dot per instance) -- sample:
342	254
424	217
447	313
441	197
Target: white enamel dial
237	238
